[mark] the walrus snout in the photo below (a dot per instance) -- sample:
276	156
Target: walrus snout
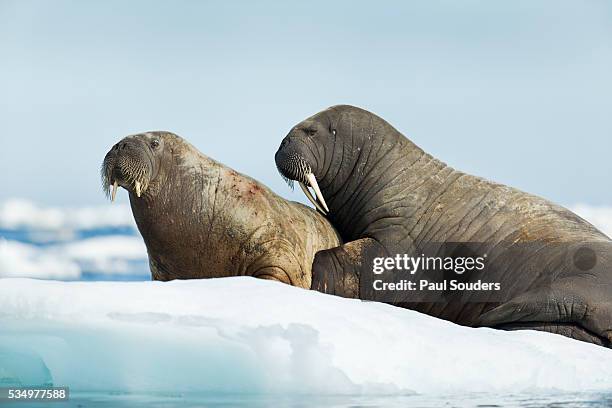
293	166
128	164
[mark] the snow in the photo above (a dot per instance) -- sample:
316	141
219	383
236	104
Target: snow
248	335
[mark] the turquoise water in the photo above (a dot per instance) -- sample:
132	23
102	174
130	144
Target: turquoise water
120	400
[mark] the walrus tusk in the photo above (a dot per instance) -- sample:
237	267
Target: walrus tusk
315	186
138	188
311	198
114	191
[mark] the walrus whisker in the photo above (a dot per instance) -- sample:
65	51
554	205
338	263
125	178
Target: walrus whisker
287	180
315	186
311	198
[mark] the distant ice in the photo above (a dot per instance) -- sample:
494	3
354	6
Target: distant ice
68	243
112	255
16	213
248	335
24	260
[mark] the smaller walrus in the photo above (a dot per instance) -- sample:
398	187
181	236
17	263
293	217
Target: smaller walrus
201	219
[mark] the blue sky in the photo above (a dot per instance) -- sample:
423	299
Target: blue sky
516	91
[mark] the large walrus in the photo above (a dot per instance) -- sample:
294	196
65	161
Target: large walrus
201	219
551	269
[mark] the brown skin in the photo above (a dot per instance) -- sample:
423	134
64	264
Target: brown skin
201	219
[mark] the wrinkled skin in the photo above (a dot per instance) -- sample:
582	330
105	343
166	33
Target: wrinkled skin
201	219
386	196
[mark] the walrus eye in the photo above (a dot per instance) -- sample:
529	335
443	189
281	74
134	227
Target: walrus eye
311	132
334	132
154	143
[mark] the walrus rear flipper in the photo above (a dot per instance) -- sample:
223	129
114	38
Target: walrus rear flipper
337	271
557	309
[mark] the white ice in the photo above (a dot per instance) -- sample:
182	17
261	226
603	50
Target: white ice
54	252
20	213
24	260
109	255
249	335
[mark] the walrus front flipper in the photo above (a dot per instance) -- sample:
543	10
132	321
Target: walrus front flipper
559	309
337	271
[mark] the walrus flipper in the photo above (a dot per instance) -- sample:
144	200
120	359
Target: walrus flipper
556	309
336	271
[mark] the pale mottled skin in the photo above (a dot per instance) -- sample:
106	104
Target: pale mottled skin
201	219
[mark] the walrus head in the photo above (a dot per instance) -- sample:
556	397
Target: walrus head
301	156
134	163
330	151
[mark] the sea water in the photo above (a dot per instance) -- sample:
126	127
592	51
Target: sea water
476	400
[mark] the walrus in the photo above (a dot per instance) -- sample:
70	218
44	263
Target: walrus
201	219
551	269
